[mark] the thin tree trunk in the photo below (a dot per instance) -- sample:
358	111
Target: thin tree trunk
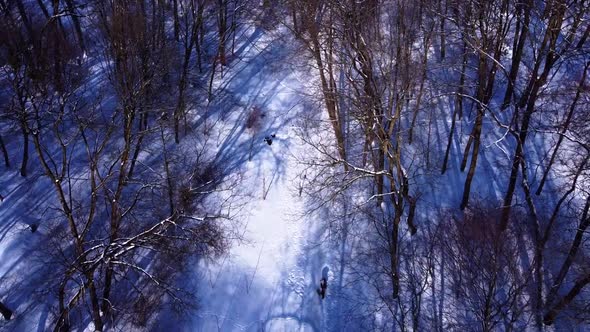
96	317
419	97
564	301
43	8
458	111
443	44
77	26
4	152
393	252
329	99
449	142
180	106
518	51
584	37
467	149
199	35
441	303
25	18
106	291
115	213
539	245
477	141
135	156
222	25
485	80
584	223
23	168
209	91
176	23
168	176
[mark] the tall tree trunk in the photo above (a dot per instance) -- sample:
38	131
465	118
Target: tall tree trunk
222	27
329	99
443	43
77	26
94	304
484	81
458	111
552	313
538	248
176	22
477	141
394	256
518	47
25	161
575	246
27	23
180	106
43	8
420	91
169	179
200	36
4	153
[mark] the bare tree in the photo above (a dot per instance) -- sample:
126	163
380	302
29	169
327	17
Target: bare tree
485	277
484	28
547	56
319	38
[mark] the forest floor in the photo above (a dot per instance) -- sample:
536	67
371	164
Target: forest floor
268	281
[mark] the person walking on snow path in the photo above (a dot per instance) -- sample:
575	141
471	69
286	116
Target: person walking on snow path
322	289
268	139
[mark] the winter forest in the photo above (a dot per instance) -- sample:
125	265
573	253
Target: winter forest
295	165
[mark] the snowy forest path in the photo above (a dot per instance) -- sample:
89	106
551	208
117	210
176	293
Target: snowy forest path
268	281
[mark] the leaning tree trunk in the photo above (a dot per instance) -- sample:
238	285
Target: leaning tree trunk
564	301
458	111
77	26
23	168
484	82
518	47
4	153
575	246
222	26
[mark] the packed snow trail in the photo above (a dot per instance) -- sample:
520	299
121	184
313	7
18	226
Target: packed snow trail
268	282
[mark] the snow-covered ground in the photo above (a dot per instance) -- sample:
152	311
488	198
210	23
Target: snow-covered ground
266	283
263	284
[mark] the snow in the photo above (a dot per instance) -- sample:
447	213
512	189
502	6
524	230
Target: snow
263	283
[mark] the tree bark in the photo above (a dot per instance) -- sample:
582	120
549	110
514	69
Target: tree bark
222	27
176	22
4	153
25	161
565	300
458	111
77	26
518	47
575	246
